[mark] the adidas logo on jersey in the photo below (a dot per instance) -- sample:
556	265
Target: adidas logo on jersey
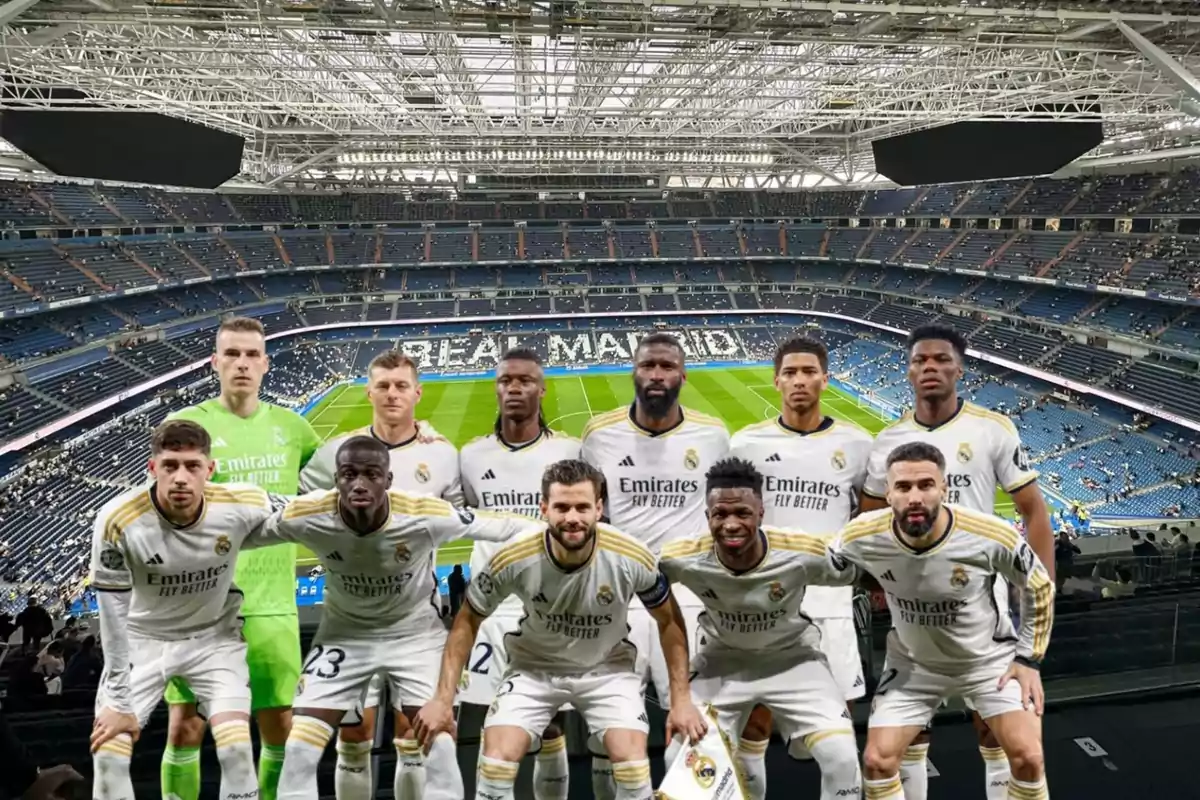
540	598
154	560
774	457
858	681
709	593
627	461
489	475
219	442
335	556
888	576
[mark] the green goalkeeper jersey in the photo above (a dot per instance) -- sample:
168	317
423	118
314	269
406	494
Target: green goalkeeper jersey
267	449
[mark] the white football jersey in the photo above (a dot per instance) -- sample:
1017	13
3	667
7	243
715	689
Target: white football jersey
379	584
757	613
497	476
655	481
181	579
982	450
942	600
811	483
428	468
576	619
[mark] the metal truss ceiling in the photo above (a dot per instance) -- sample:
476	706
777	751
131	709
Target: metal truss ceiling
745	93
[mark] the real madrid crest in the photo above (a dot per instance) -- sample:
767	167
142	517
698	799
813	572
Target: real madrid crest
703	768
300	686
223	546
838	459
604	595
422	473
776	591
964	453
402	554
691	459
958	578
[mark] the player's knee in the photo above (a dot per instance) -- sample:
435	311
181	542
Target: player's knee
758	726
185	728
837	757
357	734
505	743
274	725
624	745
234	750
1026	761
880	763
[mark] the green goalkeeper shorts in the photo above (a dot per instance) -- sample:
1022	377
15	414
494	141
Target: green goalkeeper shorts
273	656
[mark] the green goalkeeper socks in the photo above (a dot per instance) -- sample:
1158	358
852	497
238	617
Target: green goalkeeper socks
181	773
270	766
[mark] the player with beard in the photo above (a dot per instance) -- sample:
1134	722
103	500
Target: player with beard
983	452
938	564
577	578
502	472
423	463
653	455
758	649
376	545
814	467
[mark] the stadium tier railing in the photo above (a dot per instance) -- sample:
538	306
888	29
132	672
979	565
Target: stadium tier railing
22	442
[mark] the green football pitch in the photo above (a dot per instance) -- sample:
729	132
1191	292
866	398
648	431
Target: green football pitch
460	410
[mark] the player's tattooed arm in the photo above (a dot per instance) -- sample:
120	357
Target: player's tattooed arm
830	570
437	716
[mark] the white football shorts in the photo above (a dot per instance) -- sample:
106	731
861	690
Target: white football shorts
800	692
605	699
909	694
338	671
839	643
643	632
489	657
213	664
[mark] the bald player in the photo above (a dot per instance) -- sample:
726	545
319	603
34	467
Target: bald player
654	455
983	453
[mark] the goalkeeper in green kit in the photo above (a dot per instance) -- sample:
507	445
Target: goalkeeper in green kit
265	445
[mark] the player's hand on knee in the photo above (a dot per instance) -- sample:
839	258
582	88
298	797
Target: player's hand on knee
435	717
110	724
686	720
1030	681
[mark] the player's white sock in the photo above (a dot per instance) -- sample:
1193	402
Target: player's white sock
884	789
752	759
914	772
1028	790
236	754
496	779
603	786
995	772
836	752
443	778
110	765
551	772
410	770
352	781
305	745
633	780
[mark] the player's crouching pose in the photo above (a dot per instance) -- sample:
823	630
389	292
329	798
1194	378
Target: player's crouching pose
937	563
376	546
576	580
162	563
756	647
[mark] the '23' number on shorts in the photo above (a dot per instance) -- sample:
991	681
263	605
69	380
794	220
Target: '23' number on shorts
324	662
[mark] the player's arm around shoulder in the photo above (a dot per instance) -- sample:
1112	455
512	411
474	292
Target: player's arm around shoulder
446	522
814	555
288	518
678	556
855	540
317	473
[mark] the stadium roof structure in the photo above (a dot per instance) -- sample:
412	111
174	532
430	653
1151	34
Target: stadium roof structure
705	94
